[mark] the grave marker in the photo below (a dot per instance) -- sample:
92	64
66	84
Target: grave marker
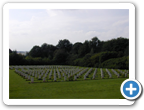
84	77
29	78
102	75
65	78
44	79
75	77
32	79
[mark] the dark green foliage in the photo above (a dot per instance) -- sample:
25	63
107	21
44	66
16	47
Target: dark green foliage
70	59
16	59
64	44
95	45
78	62
84	49
35	51
86	60
121	63
76	47
93	53
107	55
117	45
60	56
10	51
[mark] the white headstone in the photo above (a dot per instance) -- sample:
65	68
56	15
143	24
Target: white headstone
33	74
84	77
54	77
44	79
110	76
102	75
93	76
68	75
45	75
115	73
39	77
49	76
65	78
28	77
32	79
59	76
36	75
75	77
126	74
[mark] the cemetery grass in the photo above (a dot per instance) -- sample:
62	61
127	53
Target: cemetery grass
19	88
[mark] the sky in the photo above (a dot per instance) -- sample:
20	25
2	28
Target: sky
30	27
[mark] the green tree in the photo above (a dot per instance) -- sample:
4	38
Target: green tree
60	57
35	51
10	51
70	59
95	45
16	59
64	44
117	45
76	47
86	60
84	49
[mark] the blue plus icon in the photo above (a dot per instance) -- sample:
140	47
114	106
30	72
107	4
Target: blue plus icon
130	89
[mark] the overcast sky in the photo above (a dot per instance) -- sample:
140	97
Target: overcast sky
30	27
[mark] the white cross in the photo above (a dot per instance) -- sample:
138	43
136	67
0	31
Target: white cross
131	89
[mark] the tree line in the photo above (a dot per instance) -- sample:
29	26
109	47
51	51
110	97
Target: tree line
113	53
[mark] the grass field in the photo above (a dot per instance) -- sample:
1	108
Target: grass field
19	88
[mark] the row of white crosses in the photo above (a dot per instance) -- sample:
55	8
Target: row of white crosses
82	72
123	72
43	72
110	75
39	73
71	73
11	67
115	73
44	67
26	76
75	72
126	72
87	73
94	74
36	73
59	75
67	73
55	75
62	71
102	74
50	74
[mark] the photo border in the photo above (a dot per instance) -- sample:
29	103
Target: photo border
8	6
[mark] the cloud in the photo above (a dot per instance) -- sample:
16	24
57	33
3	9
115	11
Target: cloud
121	22
51	13
92	33
49	26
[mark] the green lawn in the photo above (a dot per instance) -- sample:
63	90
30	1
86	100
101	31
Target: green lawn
19	88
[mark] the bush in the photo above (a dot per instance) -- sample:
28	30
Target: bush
116	63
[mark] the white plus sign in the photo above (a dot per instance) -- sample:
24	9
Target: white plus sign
131	89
